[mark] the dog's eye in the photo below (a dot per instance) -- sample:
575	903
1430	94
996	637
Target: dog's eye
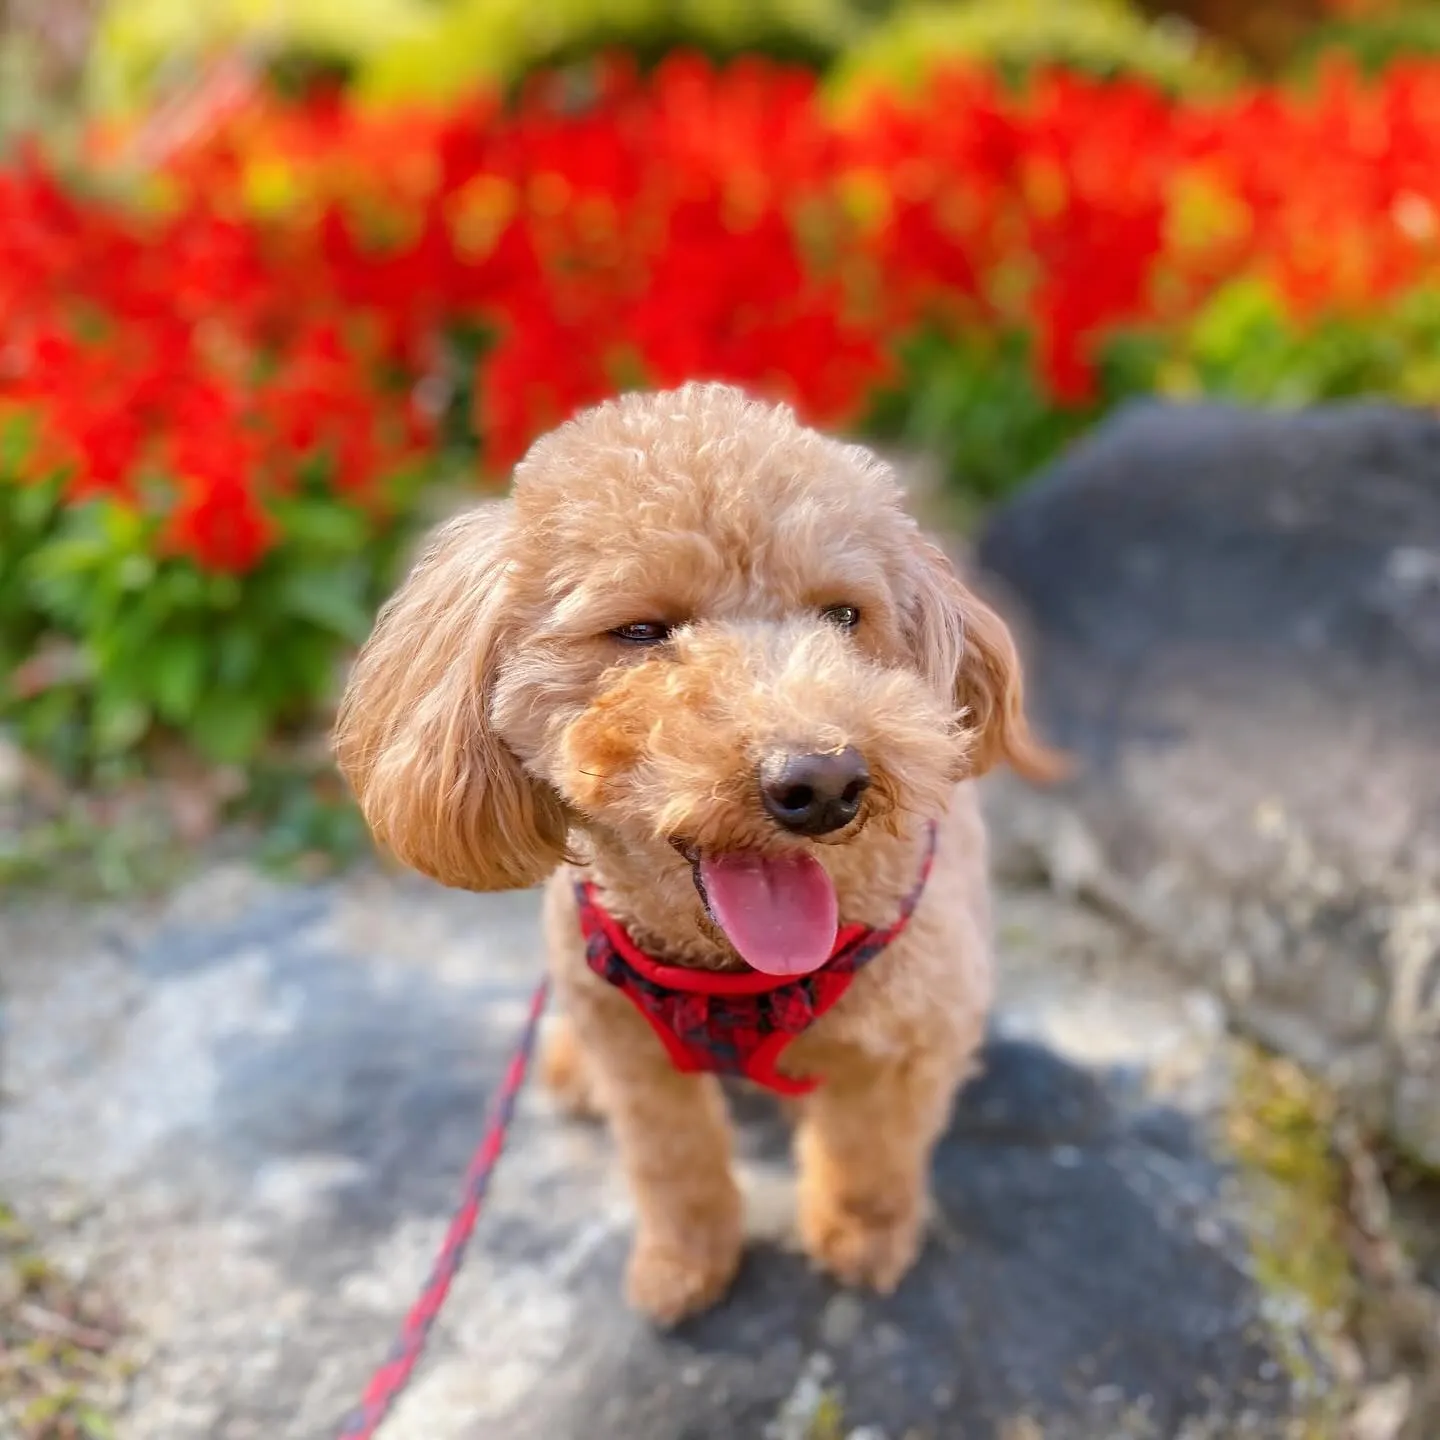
847	617
642	632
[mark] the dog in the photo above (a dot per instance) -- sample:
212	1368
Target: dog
705	678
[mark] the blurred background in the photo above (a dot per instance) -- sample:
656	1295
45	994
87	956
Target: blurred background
279	280
282	281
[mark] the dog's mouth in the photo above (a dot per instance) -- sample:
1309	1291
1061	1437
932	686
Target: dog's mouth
778	911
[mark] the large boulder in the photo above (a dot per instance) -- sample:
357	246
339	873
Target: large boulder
1232	619
248	1110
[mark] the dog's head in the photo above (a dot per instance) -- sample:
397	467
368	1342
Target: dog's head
697	628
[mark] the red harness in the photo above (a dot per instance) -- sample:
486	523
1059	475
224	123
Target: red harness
722	1023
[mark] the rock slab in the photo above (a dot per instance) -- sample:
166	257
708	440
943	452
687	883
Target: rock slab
1232	619
248	1110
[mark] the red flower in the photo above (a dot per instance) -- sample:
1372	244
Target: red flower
698	222
221	525
538	374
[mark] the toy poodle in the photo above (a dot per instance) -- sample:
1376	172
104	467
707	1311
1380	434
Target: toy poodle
704	677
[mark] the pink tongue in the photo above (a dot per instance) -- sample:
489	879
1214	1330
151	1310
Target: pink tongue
780	914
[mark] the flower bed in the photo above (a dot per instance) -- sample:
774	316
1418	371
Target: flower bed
225	386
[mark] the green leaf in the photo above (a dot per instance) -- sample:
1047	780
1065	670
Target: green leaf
136	572
237	653
16	436
228	726
323	525
176	673
36	512
78	555
123	527
300	670
120	722
183	585
1238	317
49	721
328	599
226	592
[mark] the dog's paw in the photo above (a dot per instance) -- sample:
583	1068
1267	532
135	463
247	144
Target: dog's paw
564	1075
872	1249
670	1283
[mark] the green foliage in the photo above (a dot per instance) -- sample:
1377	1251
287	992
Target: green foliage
433	50
1104	38
305	816
1374	42
107	641
499	40
141	44
1245	346
974	402
29	518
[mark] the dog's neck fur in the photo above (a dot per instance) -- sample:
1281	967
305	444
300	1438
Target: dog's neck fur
651	890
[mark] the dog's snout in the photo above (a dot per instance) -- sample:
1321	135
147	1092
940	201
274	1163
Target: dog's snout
814	794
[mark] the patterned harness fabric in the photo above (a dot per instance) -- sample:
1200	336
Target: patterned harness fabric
734	1024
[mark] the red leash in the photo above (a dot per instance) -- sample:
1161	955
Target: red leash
391	1378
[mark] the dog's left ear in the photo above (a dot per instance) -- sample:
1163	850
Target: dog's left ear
962	645
415	738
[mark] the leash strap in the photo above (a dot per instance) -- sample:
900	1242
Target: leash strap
390	1380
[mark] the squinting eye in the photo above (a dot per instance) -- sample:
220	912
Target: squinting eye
642	632
847	617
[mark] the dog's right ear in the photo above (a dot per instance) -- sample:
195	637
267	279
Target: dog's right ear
414	737
964	646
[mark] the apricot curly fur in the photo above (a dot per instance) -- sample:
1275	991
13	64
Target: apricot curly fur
498	735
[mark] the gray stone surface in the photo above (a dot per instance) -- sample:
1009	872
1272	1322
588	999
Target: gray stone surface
247	1109
1233	619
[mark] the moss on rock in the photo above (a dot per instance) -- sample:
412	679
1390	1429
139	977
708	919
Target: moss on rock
1278	1126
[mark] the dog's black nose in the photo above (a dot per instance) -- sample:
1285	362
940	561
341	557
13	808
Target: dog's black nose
814	794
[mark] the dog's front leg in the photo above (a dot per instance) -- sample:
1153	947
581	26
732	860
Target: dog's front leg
863	1146
674	1139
